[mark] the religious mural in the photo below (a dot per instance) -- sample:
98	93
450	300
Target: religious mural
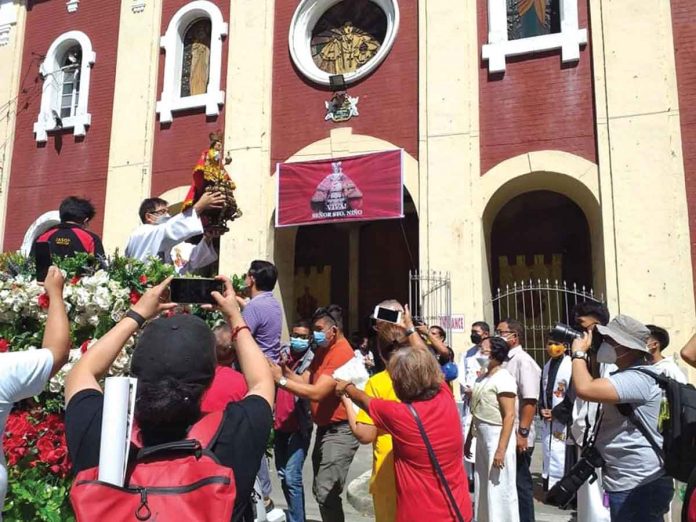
347	36
527	18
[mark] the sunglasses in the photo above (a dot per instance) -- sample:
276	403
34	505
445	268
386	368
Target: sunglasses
324	312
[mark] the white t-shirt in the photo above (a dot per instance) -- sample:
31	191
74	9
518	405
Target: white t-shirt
669	367
484	398
22	375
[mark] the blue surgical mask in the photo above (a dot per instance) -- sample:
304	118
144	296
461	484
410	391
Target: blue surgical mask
320	338
161	220
299	345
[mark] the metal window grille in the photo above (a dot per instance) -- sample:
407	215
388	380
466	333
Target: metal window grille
430	298
538	305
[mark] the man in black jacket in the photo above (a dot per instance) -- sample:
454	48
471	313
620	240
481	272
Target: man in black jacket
70	236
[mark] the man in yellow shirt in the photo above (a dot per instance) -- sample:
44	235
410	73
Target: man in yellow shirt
379	386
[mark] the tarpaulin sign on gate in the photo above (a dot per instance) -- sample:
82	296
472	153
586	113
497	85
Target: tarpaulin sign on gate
341	189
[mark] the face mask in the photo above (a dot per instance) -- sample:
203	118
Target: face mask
483	361
555	350
162	219
320	338
475	338
606	354
298	344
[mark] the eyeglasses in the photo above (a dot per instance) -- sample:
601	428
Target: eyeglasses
300	336
503	332
160	212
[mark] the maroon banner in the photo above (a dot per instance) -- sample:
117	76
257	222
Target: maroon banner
341	189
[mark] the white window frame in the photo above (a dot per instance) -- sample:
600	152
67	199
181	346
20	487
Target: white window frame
8	18
499	47
173	44
52	89
305	19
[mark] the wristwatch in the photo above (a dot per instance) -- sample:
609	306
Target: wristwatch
523	432
580	355
282	382
410	331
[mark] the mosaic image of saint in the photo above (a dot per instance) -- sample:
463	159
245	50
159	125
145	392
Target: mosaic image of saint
527	18
347	50
347	36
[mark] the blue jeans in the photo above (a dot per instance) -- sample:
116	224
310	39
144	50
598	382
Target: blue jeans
646	503
290	453
525	486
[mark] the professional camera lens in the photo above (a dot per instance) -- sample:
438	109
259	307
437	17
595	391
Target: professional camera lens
562	333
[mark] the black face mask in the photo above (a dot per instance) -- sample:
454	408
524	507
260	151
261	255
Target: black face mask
476	338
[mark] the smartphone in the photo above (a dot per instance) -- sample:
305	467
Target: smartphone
386	314
189	290
42	260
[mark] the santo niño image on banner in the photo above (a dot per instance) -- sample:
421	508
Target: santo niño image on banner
355	188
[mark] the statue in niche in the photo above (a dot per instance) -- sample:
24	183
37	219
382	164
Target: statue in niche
196	63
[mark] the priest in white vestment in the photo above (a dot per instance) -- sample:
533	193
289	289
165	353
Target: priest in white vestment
160	233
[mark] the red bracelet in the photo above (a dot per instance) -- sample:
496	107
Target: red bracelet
236	331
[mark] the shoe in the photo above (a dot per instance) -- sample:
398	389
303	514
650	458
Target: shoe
268	504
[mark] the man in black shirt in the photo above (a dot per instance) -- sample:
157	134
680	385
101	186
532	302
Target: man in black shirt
70	236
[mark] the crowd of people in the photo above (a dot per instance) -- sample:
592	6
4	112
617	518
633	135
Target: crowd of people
236	384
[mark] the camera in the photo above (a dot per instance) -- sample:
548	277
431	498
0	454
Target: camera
562	333
564	491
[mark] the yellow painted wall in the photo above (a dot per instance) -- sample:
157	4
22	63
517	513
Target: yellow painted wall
10	65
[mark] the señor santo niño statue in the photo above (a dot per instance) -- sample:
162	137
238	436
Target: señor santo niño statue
209	175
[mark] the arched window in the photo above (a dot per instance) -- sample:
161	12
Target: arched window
70	81
66	75
193	60
195	67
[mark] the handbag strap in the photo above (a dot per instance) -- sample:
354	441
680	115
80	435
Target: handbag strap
436	464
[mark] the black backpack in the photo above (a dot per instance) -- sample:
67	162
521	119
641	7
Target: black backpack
678	452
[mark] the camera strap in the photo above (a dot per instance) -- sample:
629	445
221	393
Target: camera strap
436	464
589	436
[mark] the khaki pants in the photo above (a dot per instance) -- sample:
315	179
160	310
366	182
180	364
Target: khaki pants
334	449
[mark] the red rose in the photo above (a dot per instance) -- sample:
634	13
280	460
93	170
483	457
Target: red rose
75	280
143	279
4	345
84	346
134	296
44	301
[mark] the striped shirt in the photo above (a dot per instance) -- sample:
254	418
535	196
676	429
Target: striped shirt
263	316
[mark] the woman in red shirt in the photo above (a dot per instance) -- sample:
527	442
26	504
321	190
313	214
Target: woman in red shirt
418	381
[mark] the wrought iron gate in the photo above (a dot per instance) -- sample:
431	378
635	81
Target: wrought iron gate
430	298
538	305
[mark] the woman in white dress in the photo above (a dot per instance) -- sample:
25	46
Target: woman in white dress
493	410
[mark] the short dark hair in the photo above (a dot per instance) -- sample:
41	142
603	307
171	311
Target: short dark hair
77	210
264	273
483	325
302	323
499	349
659	334
515	326
150	205
440	330
592	309
333	313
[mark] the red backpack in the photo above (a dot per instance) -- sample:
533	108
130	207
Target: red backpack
179	480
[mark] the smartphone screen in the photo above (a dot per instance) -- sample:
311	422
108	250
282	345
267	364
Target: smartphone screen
385	314
194	290
42	259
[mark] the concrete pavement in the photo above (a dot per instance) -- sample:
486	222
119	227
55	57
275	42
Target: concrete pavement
362	463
